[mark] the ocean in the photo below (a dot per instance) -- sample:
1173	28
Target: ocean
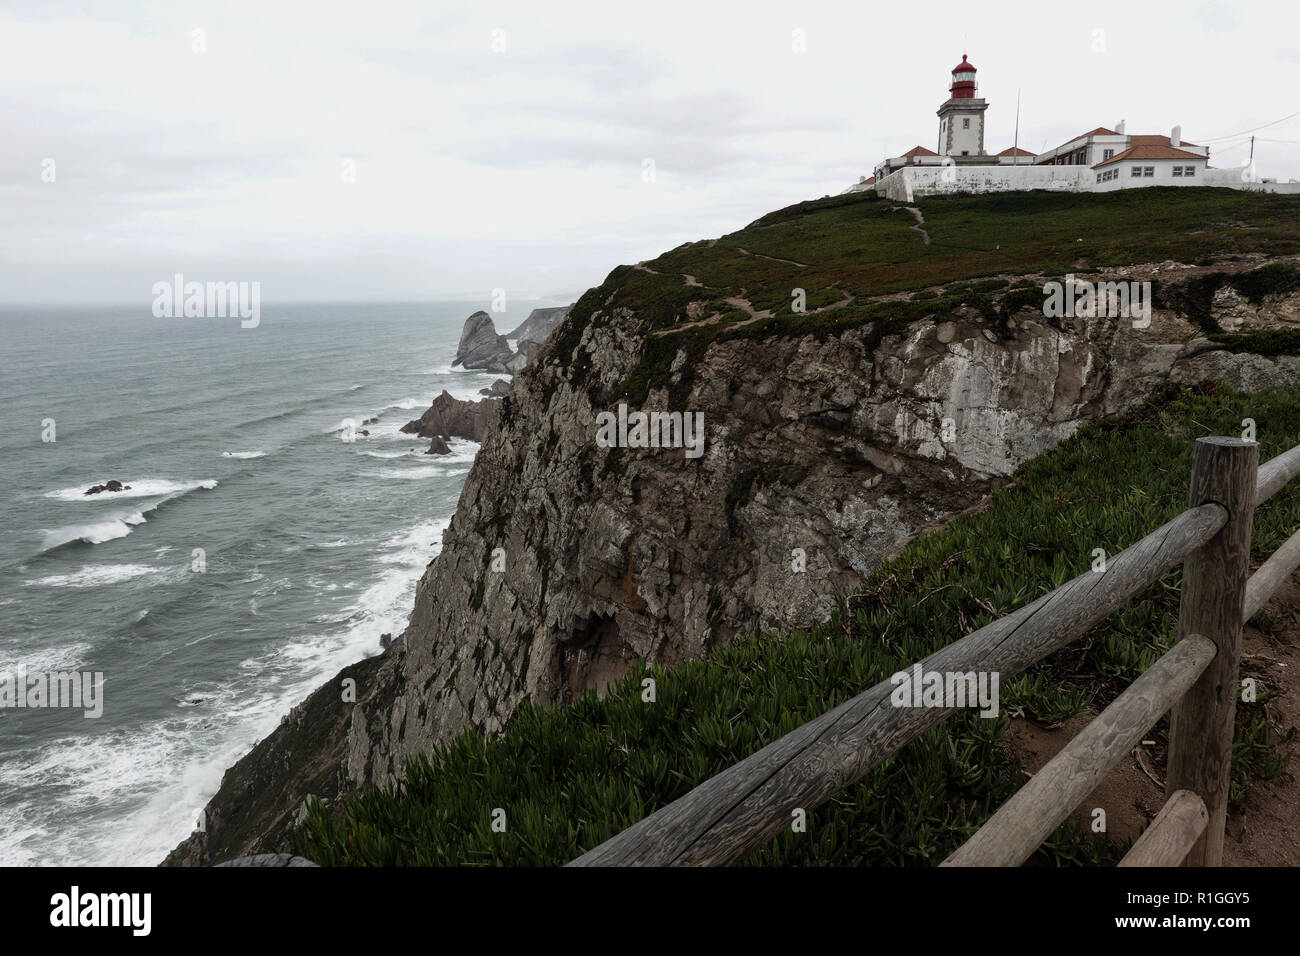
263	543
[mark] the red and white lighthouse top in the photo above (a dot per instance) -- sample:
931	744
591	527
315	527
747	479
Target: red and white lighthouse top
963	80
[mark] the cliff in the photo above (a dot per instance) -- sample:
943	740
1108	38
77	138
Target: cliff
539	325
856	387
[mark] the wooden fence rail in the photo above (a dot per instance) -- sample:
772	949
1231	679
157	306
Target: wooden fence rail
731	814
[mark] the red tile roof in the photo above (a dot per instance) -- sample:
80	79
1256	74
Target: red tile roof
1150	152
1155	140
1016	151
1099	131
920	151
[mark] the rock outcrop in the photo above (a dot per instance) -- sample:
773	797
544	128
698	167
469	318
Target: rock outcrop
450	417
481	347
539	325
528	351
110	486
823	455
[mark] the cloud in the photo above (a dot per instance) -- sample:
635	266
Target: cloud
503	143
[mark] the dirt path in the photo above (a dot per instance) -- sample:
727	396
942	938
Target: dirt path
920	221
759	255
1265	829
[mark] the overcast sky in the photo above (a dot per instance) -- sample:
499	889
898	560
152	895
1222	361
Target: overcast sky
508	145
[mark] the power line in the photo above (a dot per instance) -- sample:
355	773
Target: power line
1231	146
1246	132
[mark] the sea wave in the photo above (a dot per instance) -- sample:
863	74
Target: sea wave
15	657
407	404
139	488
418	545
111	527
389	455
414	473
92	532
95	575
243	454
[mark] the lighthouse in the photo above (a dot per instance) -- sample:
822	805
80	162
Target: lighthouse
961	117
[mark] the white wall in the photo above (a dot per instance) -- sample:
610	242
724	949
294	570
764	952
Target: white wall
963	140
905	184
1236	179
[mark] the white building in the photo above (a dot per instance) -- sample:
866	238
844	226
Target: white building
1097	161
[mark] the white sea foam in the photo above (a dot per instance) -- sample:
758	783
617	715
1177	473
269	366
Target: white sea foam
16	656
243	454
413	473
136	792
389	455
462	452
416	546
93	532
469	392
139	488
145	766
159	765
96	575
407	404
340	543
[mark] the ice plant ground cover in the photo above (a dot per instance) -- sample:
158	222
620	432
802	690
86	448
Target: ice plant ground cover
570	777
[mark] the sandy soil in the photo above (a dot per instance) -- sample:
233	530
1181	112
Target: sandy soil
1265	830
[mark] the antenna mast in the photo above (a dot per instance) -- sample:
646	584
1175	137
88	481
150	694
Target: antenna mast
1015	146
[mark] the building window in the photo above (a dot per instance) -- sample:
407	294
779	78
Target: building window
1190	170
1178	170
965	152
965	123
1137	170
1148	171
1107	153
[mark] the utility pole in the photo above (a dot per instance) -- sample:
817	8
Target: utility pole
1015	146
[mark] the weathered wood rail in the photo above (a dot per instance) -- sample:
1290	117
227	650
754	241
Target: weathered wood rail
731	814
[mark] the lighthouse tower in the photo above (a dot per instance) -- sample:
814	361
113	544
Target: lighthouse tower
961	117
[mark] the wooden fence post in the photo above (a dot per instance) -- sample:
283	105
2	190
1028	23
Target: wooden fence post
1214	592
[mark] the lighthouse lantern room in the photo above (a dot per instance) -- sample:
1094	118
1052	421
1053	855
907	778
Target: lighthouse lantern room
961	117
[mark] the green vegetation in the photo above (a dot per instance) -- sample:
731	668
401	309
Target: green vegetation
860	247
1261	342
570	777
1194	297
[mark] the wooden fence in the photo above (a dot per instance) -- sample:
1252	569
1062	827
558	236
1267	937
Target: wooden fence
744	806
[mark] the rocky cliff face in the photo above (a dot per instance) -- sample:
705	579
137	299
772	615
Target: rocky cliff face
539	325
567	561
862	372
